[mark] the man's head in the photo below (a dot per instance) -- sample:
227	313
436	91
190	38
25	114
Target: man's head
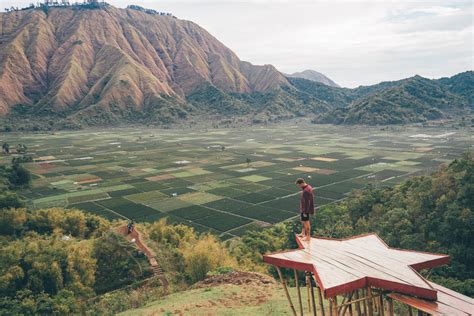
300	182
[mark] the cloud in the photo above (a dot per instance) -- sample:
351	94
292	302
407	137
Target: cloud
424	12
353	42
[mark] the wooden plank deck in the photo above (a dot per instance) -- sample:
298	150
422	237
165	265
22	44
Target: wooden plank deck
343	265
448	303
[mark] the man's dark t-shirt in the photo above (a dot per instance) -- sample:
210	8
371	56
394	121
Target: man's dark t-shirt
307	200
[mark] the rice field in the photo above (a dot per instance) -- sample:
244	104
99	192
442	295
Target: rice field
224	181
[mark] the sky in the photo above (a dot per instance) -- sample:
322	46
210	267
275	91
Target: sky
352	42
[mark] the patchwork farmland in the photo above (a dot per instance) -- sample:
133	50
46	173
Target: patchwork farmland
225	181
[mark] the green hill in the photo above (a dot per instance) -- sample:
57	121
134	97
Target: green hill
412	100
461	84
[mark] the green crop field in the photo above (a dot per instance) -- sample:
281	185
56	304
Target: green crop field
224	181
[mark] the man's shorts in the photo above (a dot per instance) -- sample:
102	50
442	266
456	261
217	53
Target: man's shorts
304	217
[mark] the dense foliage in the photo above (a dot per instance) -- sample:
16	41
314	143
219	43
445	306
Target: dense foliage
52	259
432	214
337	97
415	99
14	176
411	100
57	261
428	213
461	84
273	105
118	263
188	255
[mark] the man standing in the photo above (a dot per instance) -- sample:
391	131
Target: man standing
306	207
130	227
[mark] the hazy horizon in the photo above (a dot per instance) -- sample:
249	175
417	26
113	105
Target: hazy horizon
352	42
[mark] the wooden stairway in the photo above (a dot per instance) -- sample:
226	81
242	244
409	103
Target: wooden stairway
155	268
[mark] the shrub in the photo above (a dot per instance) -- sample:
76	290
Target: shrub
207	254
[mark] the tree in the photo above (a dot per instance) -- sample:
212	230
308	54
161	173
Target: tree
19	176
12	220
116	265
171	235
10	200
206	255
70	222
248	161
46	266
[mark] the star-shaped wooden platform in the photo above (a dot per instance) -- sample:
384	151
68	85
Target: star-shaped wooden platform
344	265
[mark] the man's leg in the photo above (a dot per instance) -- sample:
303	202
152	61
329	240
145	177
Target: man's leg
302	230
304	223
308	229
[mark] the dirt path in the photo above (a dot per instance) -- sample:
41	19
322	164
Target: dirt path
151	257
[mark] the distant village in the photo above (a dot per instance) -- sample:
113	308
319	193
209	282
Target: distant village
93	4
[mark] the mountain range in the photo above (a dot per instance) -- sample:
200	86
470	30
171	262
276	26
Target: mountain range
313	75
74	66
410	100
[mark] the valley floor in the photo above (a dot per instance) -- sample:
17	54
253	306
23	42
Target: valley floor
223	181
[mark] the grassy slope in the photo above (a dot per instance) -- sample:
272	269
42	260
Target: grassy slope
225	300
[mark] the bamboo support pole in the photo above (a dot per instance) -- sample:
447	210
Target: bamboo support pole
355	301
429	273
370	301
364	293
298	291
286	291
313	303
346	303
321	304
357	304
344	300
308	281
375	303
381	307
334	305
390	309
372	298
410	311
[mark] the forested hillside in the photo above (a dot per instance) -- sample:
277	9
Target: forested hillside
411	100
56	261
